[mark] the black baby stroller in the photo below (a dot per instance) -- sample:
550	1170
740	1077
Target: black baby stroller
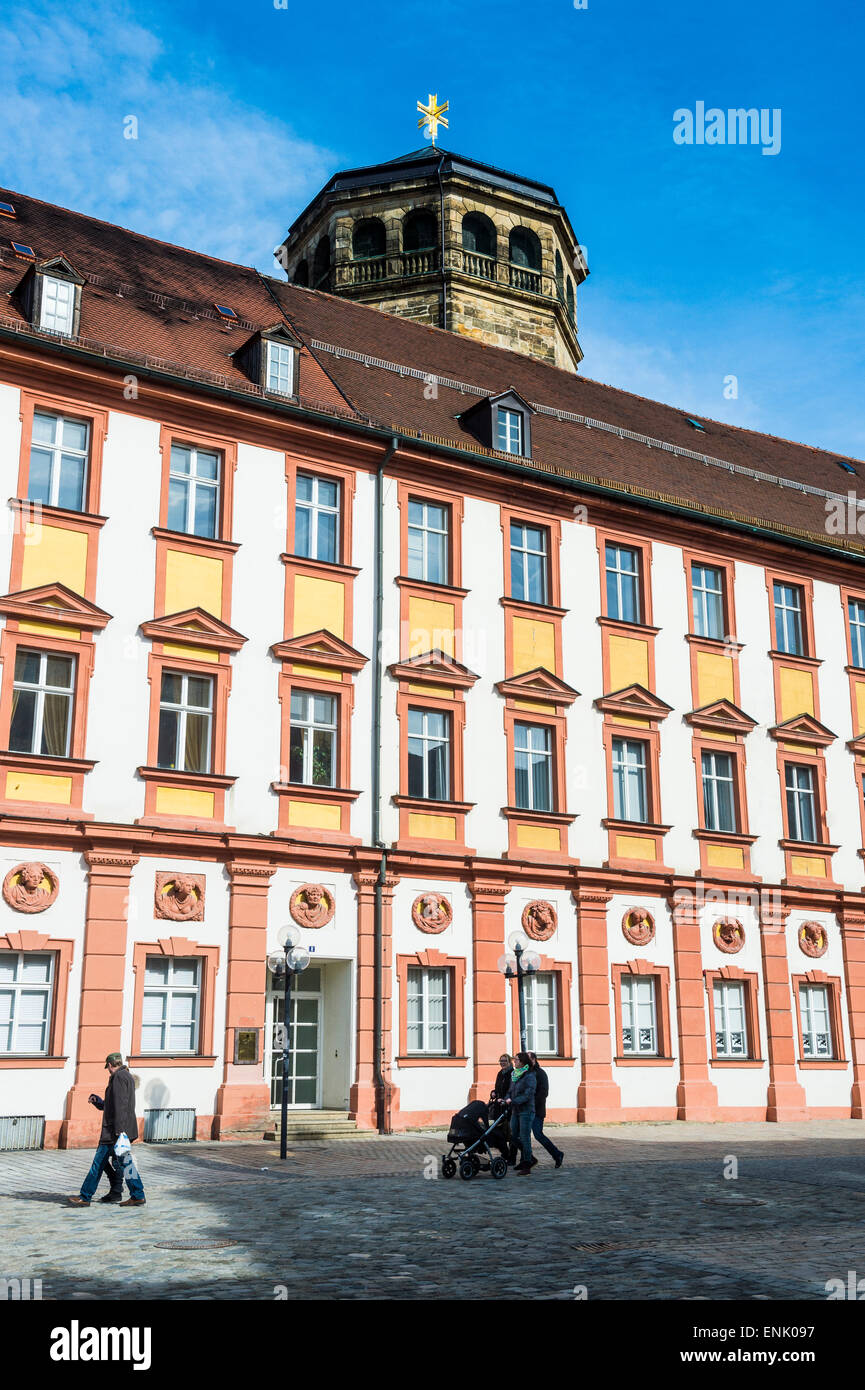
470	1141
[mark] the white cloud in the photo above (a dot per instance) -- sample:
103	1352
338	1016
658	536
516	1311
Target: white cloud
208	170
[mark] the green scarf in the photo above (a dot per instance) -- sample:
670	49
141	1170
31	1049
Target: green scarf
518	1072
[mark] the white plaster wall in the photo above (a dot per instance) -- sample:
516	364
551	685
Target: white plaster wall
822	1087
842	792
736	1086
364	600
758	701
583	669
10	433
561	947
390	652
485	743
673	684
652	1085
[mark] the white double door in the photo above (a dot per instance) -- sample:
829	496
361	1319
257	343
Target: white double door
304	1070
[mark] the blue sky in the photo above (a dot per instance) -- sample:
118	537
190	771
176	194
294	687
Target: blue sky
707	261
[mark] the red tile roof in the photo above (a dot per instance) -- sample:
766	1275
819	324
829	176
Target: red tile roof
146	298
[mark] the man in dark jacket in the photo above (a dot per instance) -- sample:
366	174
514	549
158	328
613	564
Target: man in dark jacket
118	1117
542	1090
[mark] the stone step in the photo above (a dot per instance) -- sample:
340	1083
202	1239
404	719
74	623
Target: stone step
303	1125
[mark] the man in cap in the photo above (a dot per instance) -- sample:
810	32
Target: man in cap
118	1117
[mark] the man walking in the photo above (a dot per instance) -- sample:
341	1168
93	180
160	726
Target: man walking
118	1117
542	1090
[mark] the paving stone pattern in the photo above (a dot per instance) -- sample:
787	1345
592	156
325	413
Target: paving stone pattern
637	1211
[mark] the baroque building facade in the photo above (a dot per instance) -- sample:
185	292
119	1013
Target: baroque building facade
312	613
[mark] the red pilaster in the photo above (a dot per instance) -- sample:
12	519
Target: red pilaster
362	1101
243	1099
488	983
598	1096
696	1094
851	920
786	1096
102	981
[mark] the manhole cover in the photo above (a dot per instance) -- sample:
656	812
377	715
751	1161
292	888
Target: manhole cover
193	1244
597	1247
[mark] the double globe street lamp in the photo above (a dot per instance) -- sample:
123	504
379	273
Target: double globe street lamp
516	963
292	961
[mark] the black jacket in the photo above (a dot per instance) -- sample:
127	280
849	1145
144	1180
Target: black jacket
522	1091
503	1082
118	1108
541	1092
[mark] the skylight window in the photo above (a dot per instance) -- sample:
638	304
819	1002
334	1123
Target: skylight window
225	313
26	252
695	424
6	210
848	467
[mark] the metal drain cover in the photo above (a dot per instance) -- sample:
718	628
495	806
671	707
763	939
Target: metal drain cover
597	1247
733	1201
192	1244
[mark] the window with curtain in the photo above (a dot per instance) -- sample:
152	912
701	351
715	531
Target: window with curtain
428	1010
185	722
719	799
707	592
639	1016
59	455
630	801
540	995
26	984
428	541
316	518
623	583
788	619
731	1030
42	695
429	755
194	491
816	1022
801	802
171	1005
528	562
312	739
533	767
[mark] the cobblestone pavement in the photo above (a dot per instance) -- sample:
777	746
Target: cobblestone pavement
637	1211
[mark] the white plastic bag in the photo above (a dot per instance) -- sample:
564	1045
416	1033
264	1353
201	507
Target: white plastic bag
122	1146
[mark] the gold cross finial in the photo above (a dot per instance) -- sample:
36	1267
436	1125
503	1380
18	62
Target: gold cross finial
433	115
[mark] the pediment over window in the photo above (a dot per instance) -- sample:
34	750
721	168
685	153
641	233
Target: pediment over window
60	268
634	702
804	728
194	626
434	668
320	648
54	603
539	684
722	716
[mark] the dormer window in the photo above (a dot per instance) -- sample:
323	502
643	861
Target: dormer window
509	431
270	359
502	423
57	305
279	371
51	296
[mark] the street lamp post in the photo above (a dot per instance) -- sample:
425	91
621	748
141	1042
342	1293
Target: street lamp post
294	959
516	964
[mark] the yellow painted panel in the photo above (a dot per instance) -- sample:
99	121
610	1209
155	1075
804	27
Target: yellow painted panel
38	786
534	645
432	827
430	625
635	847
320	815
539	837
191	653
534	706
184	801
797	748
193	581
441	692
634	723
725	856
322	673
797	692
725	738
53	553
860	706
807	867
629	662
318	603
714	678
52	630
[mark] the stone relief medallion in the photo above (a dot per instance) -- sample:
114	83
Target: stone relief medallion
813	939
539	920
638	926
30	887
728	935
431	912
311	905
179	897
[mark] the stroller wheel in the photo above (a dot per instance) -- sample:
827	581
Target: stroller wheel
449	1168
467	1169
499	1167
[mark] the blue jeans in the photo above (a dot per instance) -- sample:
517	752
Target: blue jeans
538	1132
521	1132
115	1170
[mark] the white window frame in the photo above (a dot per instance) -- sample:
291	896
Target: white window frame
711	780
16	988
612	549
795	794
522	549
530	989
626	761
789	618
194	483
425	974
722	991
51	319
56	448
309	725
857	632
42	688
280	363
701	592
510	430
316	509
630	992
183	708
167	993
811	1033
428	740
534	755
425	529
